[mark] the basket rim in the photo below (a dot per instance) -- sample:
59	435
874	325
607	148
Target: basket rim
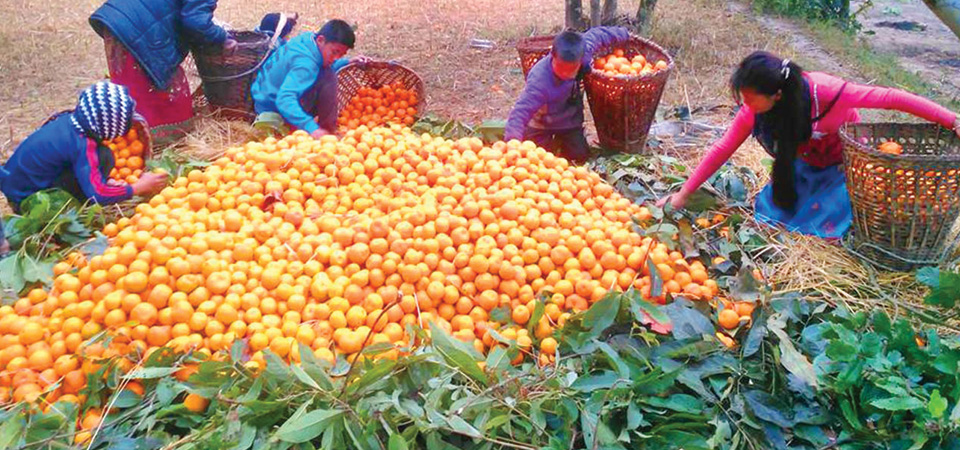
526	43
851	143
648	42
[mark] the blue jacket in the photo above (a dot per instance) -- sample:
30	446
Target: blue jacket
158	32
58	147
549	103
286	77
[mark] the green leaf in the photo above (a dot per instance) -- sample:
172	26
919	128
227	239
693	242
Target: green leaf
304	427
700	200
535	316
126	399
841	351
396	442
371	376
602	314
897	403
656	281
311	365
937	405
303	377
461	426
456	356
596	381
11	430
677	402
790	357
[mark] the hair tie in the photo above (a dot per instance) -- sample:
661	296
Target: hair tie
785	69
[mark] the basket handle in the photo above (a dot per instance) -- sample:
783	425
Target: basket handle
276	33
273	44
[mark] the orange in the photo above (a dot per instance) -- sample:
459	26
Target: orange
195	403
728	319
520	315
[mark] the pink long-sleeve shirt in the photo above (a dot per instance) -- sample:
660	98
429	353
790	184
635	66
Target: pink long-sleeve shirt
824	148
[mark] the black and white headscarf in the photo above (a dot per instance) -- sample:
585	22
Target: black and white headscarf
104	111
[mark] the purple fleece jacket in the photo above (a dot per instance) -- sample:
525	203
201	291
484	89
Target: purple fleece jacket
549	103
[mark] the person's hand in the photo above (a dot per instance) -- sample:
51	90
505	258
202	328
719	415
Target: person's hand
229	46
956	126
360	59
676	200
319	133
149	184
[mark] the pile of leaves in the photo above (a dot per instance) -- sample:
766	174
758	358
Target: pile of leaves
805	377
52	225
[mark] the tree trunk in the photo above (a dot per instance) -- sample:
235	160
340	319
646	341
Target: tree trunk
594	13
609	12
645	14
948	11
573	16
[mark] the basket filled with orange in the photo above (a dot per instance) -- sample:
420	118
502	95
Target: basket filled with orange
378	93
624	89
904	185
130	153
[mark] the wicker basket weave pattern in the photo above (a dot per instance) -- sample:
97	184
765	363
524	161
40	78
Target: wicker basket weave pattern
904	206
532	50
226	78
625	106
374	75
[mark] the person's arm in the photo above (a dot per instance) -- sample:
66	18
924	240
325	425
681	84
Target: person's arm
196	16
722	150
877	97
87	171
531	100
297	82
599	37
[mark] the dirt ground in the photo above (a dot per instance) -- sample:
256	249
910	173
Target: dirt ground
53	53
933	53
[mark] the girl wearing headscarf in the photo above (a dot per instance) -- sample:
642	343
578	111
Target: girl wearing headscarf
796	116
67	152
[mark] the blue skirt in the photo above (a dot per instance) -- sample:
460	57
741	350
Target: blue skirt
823	203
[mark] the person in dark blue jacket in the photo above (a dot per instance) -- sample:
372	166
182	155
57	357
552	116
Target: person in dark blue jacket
146	40
299	81
67	152
550	108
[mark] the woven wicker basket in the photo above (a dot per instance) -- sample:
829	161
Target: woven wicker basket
904	206
374	75
226	78
533	49
625	106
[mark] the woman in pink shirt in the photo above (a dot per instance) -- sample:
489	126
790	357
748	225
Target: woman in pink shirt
796	116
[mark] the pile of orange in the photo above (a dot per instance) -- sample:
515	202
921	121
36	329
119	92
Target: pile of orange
128	154
616	64
340	244
388	104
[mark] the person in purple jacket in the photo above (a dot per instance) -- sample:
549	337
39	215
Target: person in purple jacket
549	111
